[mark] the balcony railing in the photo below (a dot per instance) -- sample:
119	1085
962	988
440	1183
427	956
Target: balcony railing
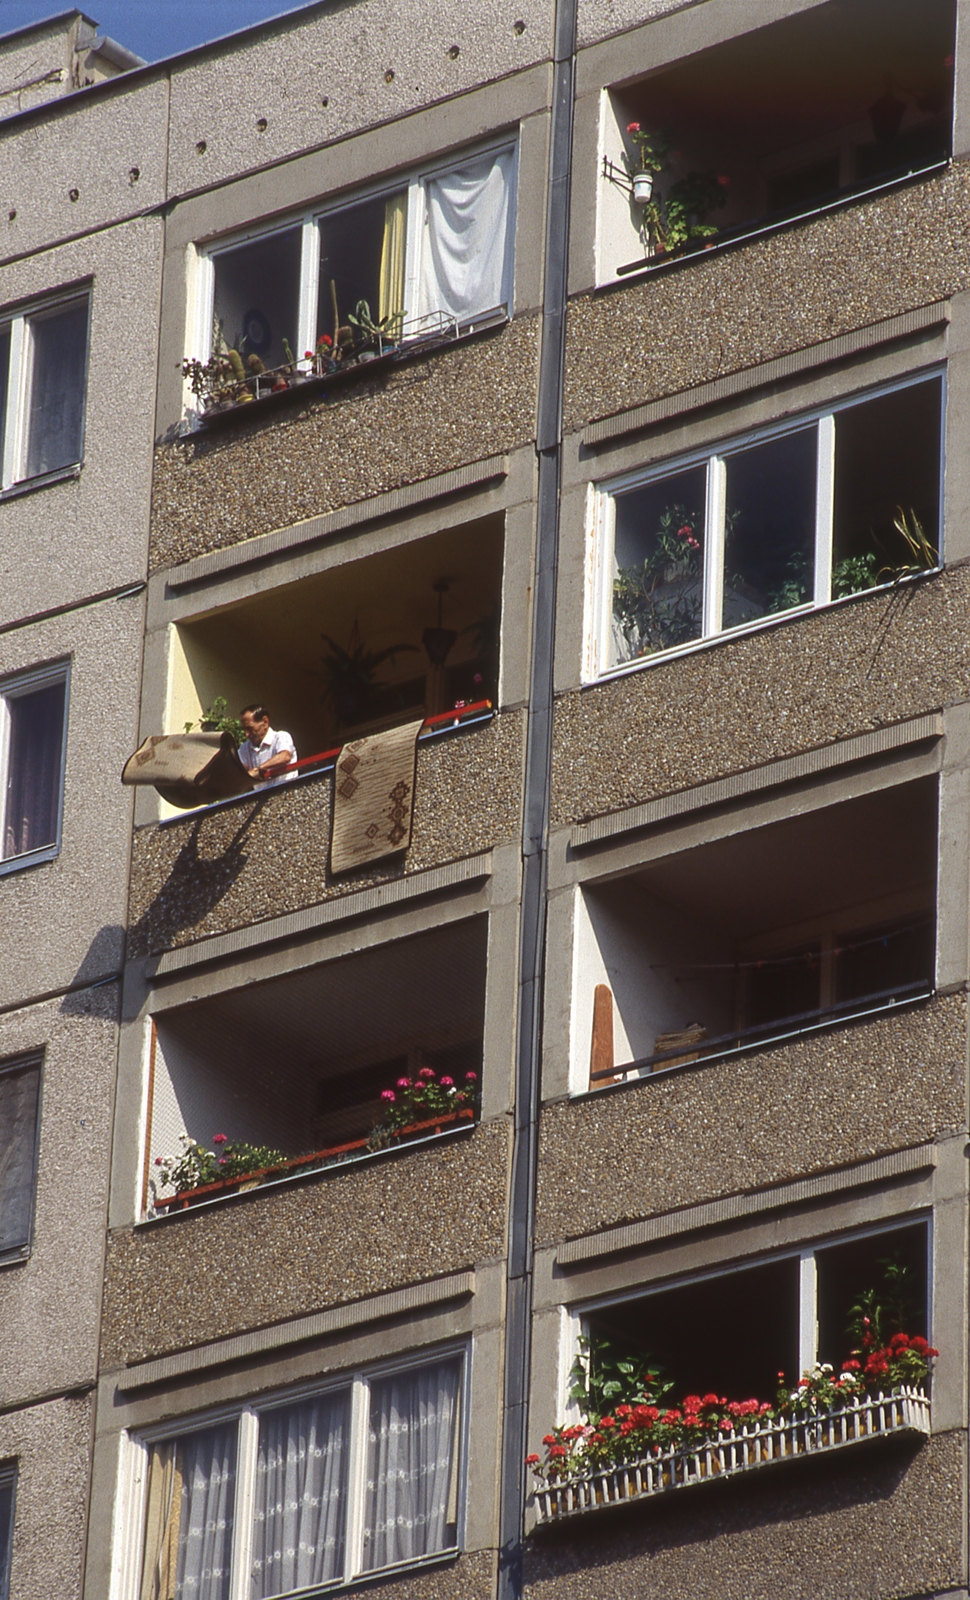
757	1444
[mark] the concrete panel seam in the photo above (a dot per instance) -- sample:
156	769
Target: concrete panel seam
915	730
298	922
606	429
474	475
355	1315
593	1245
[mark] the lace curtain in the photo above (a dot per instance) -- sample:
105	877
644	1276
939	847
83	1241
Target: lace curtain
188	1522
298	1516
34	769
467	222
412	1465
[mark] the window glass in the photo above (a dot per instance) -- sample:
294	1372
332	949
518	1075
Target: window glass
8	1487
769	552
34	761
658	565
298	1515
189	1517
412	1465
362	258
783	986
888	1267
19	1101
875	961
257	297
4	385
55	422
887	472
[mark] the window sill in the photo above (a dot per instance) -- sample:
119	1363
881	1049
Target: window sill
33	858
905	1412
765	227
321	1164
759	625
43	479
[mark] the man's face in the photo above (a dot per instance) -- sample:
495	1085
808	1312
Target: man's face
255	727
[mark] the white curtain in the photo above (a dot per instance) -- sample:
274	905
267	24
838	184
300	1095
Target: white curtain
298	1513
468	214
411	1503
188	1541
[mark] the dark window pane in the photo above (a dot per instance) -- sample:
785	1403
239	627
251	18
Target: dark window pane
658	565
257	297
783	986
362	258
34	757
887	470
8	1488
805	186
904	152
55	425
731	1334
4	384
770	528
19	1097
893	1265
885	958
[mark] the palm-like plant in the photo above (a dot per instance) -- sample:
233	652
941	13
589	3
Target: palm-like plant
349	673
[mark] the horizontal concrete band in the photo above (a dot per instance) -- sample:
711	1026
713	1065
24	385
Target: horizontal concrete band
472	476
355	1315
591	1246
338	910
814	355
774	773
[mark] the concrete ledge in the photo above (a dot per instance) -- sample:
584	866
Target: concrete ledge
356	1315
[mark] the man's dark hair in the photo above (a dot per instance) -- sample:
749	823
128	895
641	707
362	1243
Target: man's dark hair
259	712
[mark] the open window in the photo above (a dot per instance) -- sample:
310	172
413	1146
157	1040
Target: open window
773	124
757	936
303	1065
43	376
363	647
831	505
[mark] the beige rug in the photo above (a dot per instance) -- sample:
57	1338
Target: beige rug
189	769
373	797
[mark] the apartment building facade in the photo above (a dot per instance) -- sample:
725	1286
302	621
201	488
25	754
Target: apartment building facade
569	396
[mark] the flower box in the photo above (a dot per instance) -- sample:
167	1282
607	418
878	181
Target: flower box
334	1155
755	1444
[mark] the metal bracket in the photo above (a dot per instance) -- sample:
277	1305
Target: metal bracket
614	174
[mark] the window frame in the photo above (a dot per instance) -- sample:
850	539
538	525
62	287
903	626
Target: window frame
9	1475
309	219
22	1252
13	687
713	458
357	1380
14	441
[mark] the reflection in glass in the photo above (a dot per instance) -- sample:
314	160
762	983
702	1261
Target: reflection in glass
658	565
362	251
769	528
55	423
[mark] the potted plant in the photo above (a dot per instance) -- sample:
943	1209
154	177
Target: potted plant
348	675
672	222
374	338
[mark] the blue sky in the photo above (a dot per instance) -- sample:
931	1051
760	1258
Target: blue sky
152	28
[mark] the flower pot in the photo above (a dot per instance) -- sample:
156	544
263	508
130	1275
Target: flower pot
642	187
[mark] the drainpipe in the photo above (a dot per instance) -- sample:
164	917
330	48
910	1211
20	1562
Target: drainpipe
532	921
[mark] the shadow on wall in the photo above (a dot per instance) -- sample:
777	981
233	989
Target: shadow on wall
195	885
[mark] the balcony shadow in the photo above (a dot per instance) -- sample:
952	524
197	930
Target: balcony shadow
100	968
194	886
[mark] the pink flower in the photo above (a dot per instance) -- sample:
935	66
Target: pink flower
447	1083
404	1083
218	1138
471	1077
158	1161
685	532
222	1161
633	127
388	1094
426	1072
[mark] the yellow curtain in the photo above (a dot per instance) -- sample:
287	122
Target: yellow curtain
163	1515
391	301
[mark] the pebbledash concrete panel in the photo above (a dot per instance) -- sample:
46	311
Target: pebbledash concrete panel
272	1255
207	874
51	1444
425	417
683	1138
881	1522
767	298
598	19
739	703
469	1577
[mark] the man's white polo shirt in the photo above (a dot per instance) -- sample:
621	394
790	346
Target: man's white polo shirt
274	744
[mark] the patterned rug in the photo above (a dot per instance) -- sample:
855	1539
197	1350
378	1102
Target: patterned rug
373	797
189	769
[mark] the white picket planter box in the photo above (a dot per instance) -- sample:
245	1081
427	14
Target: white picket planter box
757	1444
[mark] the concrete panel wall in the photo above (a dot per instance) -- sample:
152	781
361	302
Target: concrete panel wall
50	1304
67	540
692	1135
51	1446
62	922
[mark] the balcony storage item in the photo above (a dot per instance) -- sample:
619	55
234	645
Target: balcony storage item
642	187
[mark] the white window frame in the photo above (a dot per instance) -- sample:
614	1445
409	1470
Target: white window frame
199	344
129	1522
14	443
807	1284
13	688
601	520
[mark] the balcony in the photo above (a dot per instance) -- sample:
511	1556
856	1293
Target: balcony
341	1063
776	124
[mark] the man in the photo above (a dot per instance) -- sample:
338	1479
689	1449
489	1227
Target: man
265	751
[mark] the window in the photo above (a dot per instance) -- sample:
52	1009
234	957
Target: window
314	1490
836	503
33	727
8	1493
19	1122
43	369
436	248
